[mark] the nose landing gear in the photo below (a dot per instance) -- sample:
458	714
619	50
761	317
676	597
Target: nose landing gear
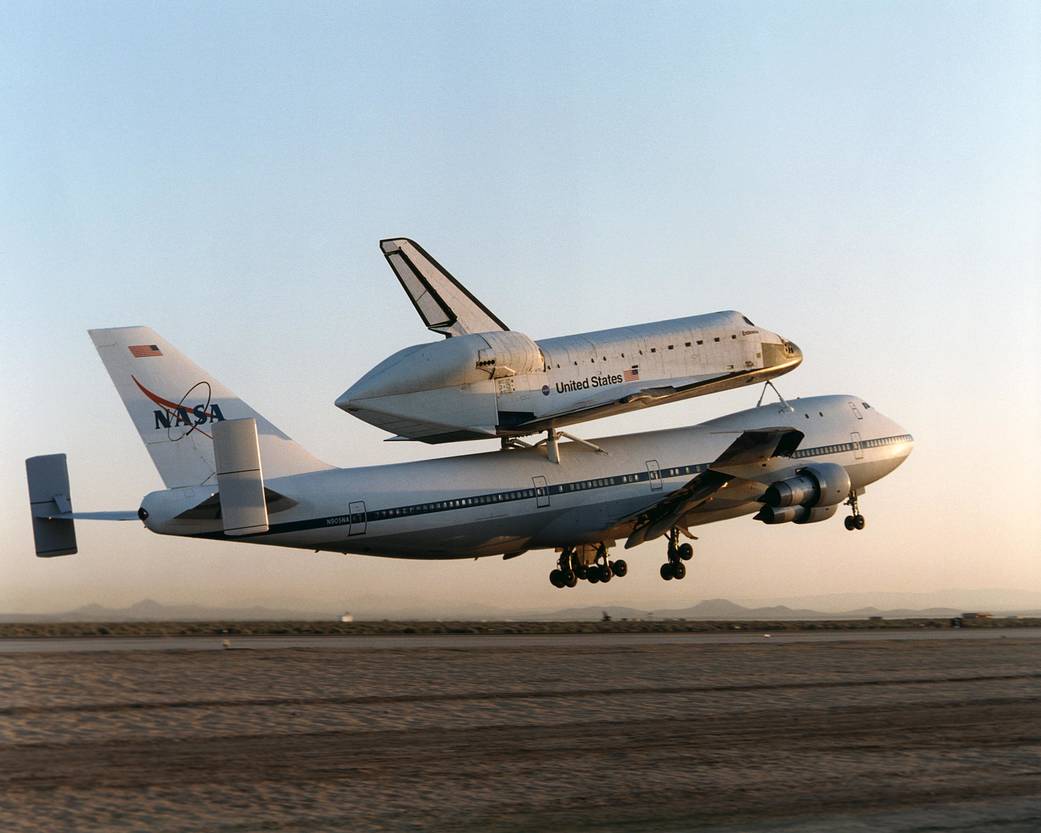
856	520
677	553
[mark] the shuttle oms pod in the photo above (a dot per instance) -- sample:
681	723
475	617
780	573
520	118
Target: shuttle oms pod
486	380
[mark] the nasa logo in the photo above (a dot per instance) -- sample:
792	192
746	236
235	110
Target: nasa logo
178	415
545	390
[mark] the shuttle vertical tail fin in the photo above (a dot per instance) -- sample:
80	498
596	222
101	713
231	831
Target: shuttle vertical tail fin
444	304
174	404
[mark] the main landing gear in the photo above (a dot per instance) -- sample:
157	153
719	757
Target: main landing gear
674	568
586	563
856	520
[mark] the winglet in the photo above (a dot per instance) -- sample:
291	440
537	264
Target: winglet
444	304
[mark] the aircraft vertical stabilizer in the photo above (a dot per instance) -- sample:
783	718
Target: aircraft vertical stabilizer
174	404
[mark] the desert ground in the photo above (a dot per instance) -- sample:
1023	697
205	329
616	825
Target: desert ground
582	735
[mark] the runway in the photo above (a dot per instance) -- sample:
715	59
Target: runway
495	642
824	732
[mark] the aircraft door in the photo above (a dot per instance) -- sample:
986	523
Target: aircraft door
858	448
541	491
357	517
654	475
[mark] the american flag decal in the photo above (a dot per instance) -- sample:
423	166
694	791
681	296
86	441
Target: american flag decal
631	375
144	351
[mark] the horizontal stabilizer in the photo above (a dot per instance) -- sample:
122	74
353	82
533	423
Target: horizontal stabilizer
444	304
240	480
116	515
209	509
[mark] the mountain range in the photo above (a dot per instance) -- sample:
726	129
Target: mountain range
150	610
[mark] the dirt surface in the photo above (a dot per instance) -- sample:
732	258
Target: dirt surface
844	736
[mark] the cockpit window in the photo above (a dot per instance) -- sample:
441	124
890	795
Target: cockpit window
866	406
746	319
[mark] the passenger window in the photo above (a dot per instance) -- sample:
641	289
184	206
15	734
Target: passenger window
686	344
700	341
716	338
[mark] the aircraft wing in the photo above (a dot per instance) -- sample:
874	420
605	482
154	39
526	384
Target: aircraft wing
751	449
444	304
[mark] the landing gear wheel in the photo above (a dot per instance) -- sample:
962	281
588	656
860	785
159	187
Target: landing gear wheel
620	568
685	551
593	575
571	580
556	578
850	523
605	574
859	522
666	570
678	570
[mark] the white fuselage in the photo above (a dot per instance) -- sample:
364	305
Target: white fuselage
509	501
505	384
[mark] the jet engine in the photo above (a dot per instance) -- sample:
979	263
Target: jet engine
813	495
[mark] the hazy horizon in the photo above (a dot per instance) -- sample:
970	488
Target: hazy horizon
864	179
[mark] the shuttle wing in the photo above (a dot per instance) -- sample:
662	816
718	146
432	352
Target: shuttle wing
444	304
751	449
636	397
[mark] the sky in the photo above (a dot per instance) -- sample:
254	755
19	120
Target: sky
864	178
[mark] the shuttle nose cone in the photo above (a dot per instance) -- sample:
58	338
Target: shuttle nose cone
793	350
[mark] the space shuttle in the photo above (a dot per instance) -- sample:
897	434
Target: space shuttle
485	380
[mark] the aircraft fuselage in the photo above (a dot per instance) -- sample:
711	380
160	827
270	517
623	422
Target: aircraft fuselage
509	501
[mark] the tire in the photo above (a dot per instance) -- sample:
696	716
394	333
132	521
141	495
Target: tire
678	570
556	578
666	571
685	551
620	568
592	576
572	580
859	521
605	574
850	523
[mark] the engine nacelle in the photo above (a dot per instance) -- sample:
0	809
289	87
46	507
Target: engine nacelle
821	484
811	496
796	514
